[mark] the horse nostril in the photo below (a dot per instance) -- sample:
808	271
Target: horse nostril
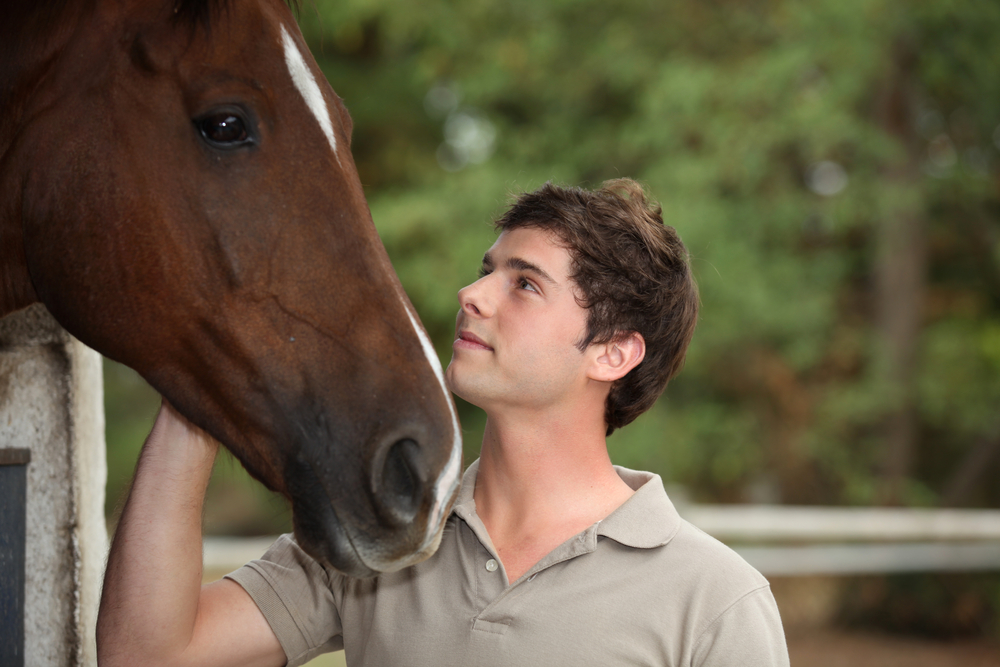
401	489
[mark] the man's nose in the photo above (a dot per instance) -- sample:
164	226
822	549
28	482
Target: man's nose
474	299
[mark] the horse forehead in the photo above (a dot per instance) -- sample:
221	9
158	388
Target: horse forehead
306	84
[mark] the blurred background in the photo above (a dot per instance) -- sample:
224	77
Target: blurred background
834	169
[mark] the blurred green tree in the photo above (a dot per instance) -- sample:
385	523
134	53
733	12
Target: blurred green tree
831	166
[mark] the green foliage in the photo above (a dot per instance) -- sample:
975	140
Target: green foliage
723	109
729	112
129	409
947	606
235	504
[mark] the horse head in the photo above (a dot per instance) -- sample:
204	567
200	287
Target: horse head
177	188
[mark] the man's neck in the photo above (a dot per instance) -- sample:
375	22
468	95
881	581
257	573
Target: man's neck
541	482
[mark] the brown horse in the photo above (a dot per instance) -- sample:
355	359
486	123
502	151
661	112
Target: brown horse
176	186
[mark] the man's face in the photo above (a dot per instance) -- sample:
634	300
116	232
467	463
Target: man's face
518	326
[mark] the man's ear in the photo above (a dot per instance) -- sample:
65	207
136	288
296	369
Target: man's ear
615	359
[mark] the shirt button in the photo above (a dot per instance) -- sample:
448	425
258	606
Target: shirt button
491	565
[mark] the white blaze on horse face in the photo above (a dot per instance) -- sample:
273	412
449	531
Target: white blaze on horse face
303	79
451	475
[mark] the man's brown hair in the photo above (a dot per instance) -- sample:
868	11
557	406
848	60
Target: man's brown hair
633	273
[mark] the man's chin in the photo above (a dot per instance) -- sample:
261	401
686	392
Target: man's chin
462	389
449	376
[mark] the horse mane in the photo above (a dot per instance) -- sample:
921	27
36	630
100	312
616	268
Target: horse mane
201	12
32	19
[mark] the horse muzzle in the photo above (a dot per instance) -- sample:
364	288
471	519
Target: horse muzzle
393	521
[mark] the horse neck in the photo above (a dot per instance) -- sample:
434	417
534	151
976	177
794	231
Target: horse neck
33	34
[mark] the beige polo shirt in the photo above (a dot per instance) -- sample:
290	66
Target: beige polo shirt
641	587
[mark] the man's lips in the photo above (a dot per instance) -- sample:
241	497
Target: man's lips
470	341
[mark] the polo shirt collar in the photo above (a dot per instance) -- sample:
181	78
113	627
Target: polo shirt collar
646	520
466	503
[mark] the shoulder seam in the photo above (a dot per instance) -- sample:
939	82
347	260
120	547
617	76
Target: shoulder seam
725	611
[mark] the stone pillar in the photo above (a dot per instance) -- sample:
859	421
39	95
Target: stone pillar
52	403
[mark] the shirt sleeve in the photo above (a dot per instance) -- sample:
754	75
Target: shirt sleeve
747	634
297	597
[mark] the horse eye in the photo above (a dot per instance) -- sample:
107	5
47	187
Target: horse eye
226	129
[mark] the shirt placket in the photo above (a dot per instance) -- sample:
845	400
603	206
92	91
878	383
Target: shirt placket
490	577
493	613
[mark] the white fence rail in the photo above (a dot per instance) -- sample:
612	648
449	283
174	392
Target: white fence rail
846	559
791	541
761	523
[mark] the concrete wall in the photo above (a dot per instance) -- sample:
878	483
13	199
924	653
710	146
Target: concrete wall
52	402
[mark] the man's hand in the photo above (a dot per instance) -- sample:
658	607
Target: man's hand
154	609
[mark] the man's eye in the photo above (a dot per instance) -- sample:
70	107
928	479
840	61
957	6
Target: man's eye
524	283
483	272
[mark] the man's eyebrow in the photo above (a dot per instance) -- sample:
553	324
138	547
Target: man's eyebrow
520	264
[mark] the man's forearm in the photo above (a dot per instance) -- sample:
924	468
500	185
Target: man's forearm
151	589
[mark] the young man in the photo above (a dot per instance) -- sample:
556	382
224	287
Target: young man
552	556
